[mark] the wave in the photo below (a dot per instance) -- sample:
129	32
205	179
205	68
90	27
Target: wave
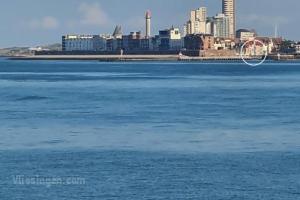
32	98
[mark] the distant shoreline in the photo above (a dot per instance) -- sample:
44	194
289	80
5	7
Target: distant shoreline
97	57
115	58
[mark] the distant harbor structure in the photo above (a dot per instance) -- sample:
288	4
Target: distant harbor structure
148	24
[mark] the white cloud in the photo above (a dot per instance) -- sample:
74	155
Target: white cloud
46	23
92	14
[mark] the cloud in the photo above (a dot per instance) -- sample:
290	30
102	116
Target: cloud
46	23
92	14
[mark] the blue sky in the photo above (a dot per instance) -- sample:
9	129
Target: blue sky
34	22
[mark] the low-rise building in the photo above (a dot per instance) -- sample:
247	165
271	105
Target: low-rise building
114	44
254	48
84	43
169	39
224	43
272	44
132	42
147	44
244	35
297	48
199	42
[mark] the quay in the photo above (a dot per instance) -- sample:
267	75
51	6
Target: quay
112	58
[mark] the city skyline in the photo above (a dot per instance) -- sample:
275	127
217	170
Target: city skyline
44	23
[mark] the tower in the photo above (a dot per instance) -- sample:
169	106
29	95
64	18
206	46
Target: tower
197	22
148	24
228	7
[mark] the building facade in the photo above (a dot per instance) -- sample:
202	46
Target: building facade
221	26
199	42
297	48
169	39
132	42
244	35
114	44
209	26
83	43
228	7
197	21
224	44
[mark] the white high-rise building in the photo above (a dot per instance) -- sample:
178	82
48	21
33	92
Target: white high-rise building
201	14
210	26
228	7
197	22
221	26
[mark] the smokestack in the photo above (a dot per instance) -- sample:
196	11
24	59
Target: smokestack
148	24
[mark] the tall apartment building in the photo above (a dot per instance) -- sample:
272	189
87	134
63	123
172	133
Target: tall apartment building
221	26
210	25
228	7
197	22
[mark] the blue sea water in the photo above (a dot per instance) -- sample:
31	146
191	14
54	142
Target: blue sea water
150	130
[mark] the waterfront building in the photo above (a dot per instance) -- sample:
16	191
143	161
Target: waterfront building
147	44
176	42
170	39
224	43
148	24
114	44
199	42
132	42
244	35
221	26
228	7
272	44
297	48
164	40
84	43
254	48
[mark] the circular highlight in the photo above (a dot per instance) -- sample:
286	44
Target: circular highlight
255	41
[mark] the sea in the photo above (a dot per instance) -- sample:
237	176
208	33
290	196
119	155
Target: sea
91	130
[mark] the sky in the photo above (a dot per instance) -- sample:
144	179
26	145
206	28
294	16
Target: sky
39	22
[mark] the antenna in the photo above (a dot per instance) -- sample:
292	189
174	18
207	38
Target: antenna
276	31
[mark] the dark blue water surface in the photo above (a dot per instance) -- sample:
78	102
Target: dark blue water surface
150	130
